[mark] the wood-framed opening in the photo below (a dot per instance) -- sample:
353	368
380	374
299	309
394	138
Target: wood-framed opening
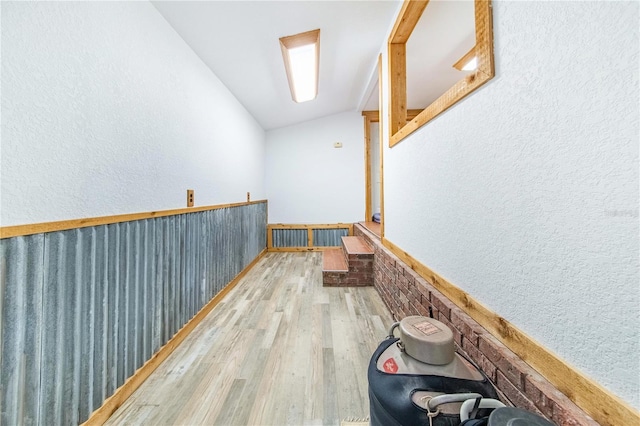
374	117
369	118
400	125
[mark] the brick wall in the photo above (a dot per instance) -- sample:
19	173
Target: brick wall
407	293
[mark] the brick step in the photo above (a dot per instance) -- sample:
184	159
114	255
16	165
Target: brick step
333	260
356	247
350	265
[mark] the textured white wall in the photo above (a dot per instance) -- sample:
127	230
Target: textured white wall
105	110
310	181
525	194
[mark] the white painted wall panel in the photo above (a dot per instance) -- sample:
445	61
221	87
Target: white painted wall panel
310	181
105	110
525	195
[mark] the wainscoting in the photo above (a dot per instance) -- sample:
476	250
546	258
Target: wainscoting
306	237
82	309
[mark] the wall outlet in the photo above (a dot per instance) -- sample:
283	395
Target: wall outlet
337	145
248	197
189	197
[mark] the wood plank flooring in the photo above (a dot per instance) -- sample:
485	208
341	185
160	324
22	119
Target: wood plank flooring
280	349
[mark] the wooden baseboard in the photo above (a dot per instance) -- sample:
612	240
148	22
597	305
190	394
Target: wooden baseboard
111	404
603	406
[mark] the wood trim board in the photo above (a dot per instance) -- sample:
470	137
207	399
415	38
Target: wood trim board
398	85
381	144
111	404
310	226
373	116
408	17
367	167
602	405
400	125
63	225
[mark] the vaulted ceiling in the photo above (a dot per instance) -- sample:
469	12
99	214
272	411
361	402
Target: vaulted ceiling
238	41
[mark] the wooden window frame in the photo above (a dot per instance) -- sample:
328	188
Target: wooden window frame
400	126
376	117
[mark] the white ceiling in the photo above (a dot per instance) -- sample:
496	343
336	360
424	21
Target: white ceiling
443	35
238	40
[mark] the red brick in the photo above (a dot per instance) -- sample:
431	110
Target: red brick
487	368
466	325
435	312
515	396
411	273
568	414
507	362
457	337
537	388
445	321
390	275
422	310
412	299
422	289
389	263
410	281
553	403
354	264
362	256
416	294
470	349
413	309
403	298
402	282
442	303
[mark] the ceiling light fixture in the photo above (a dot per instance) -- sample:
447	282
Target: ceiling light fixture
471	65
301	54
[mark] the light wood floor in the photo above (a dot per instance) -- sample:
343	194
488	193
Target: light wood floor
280	349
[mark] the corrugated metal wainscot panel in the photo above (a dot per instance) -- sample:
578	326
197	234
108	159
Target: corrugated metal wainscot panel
329	237
81	310
289	237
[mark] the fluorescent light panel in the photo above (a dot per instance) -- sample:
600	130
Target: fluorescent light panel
471	65
468	62
301	54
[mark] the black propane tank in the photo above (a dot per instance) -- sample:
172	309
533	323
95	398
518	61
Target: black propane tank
419	379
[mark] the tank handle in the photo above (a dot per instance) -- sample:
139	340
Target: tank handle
467	406
393	327
434	402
